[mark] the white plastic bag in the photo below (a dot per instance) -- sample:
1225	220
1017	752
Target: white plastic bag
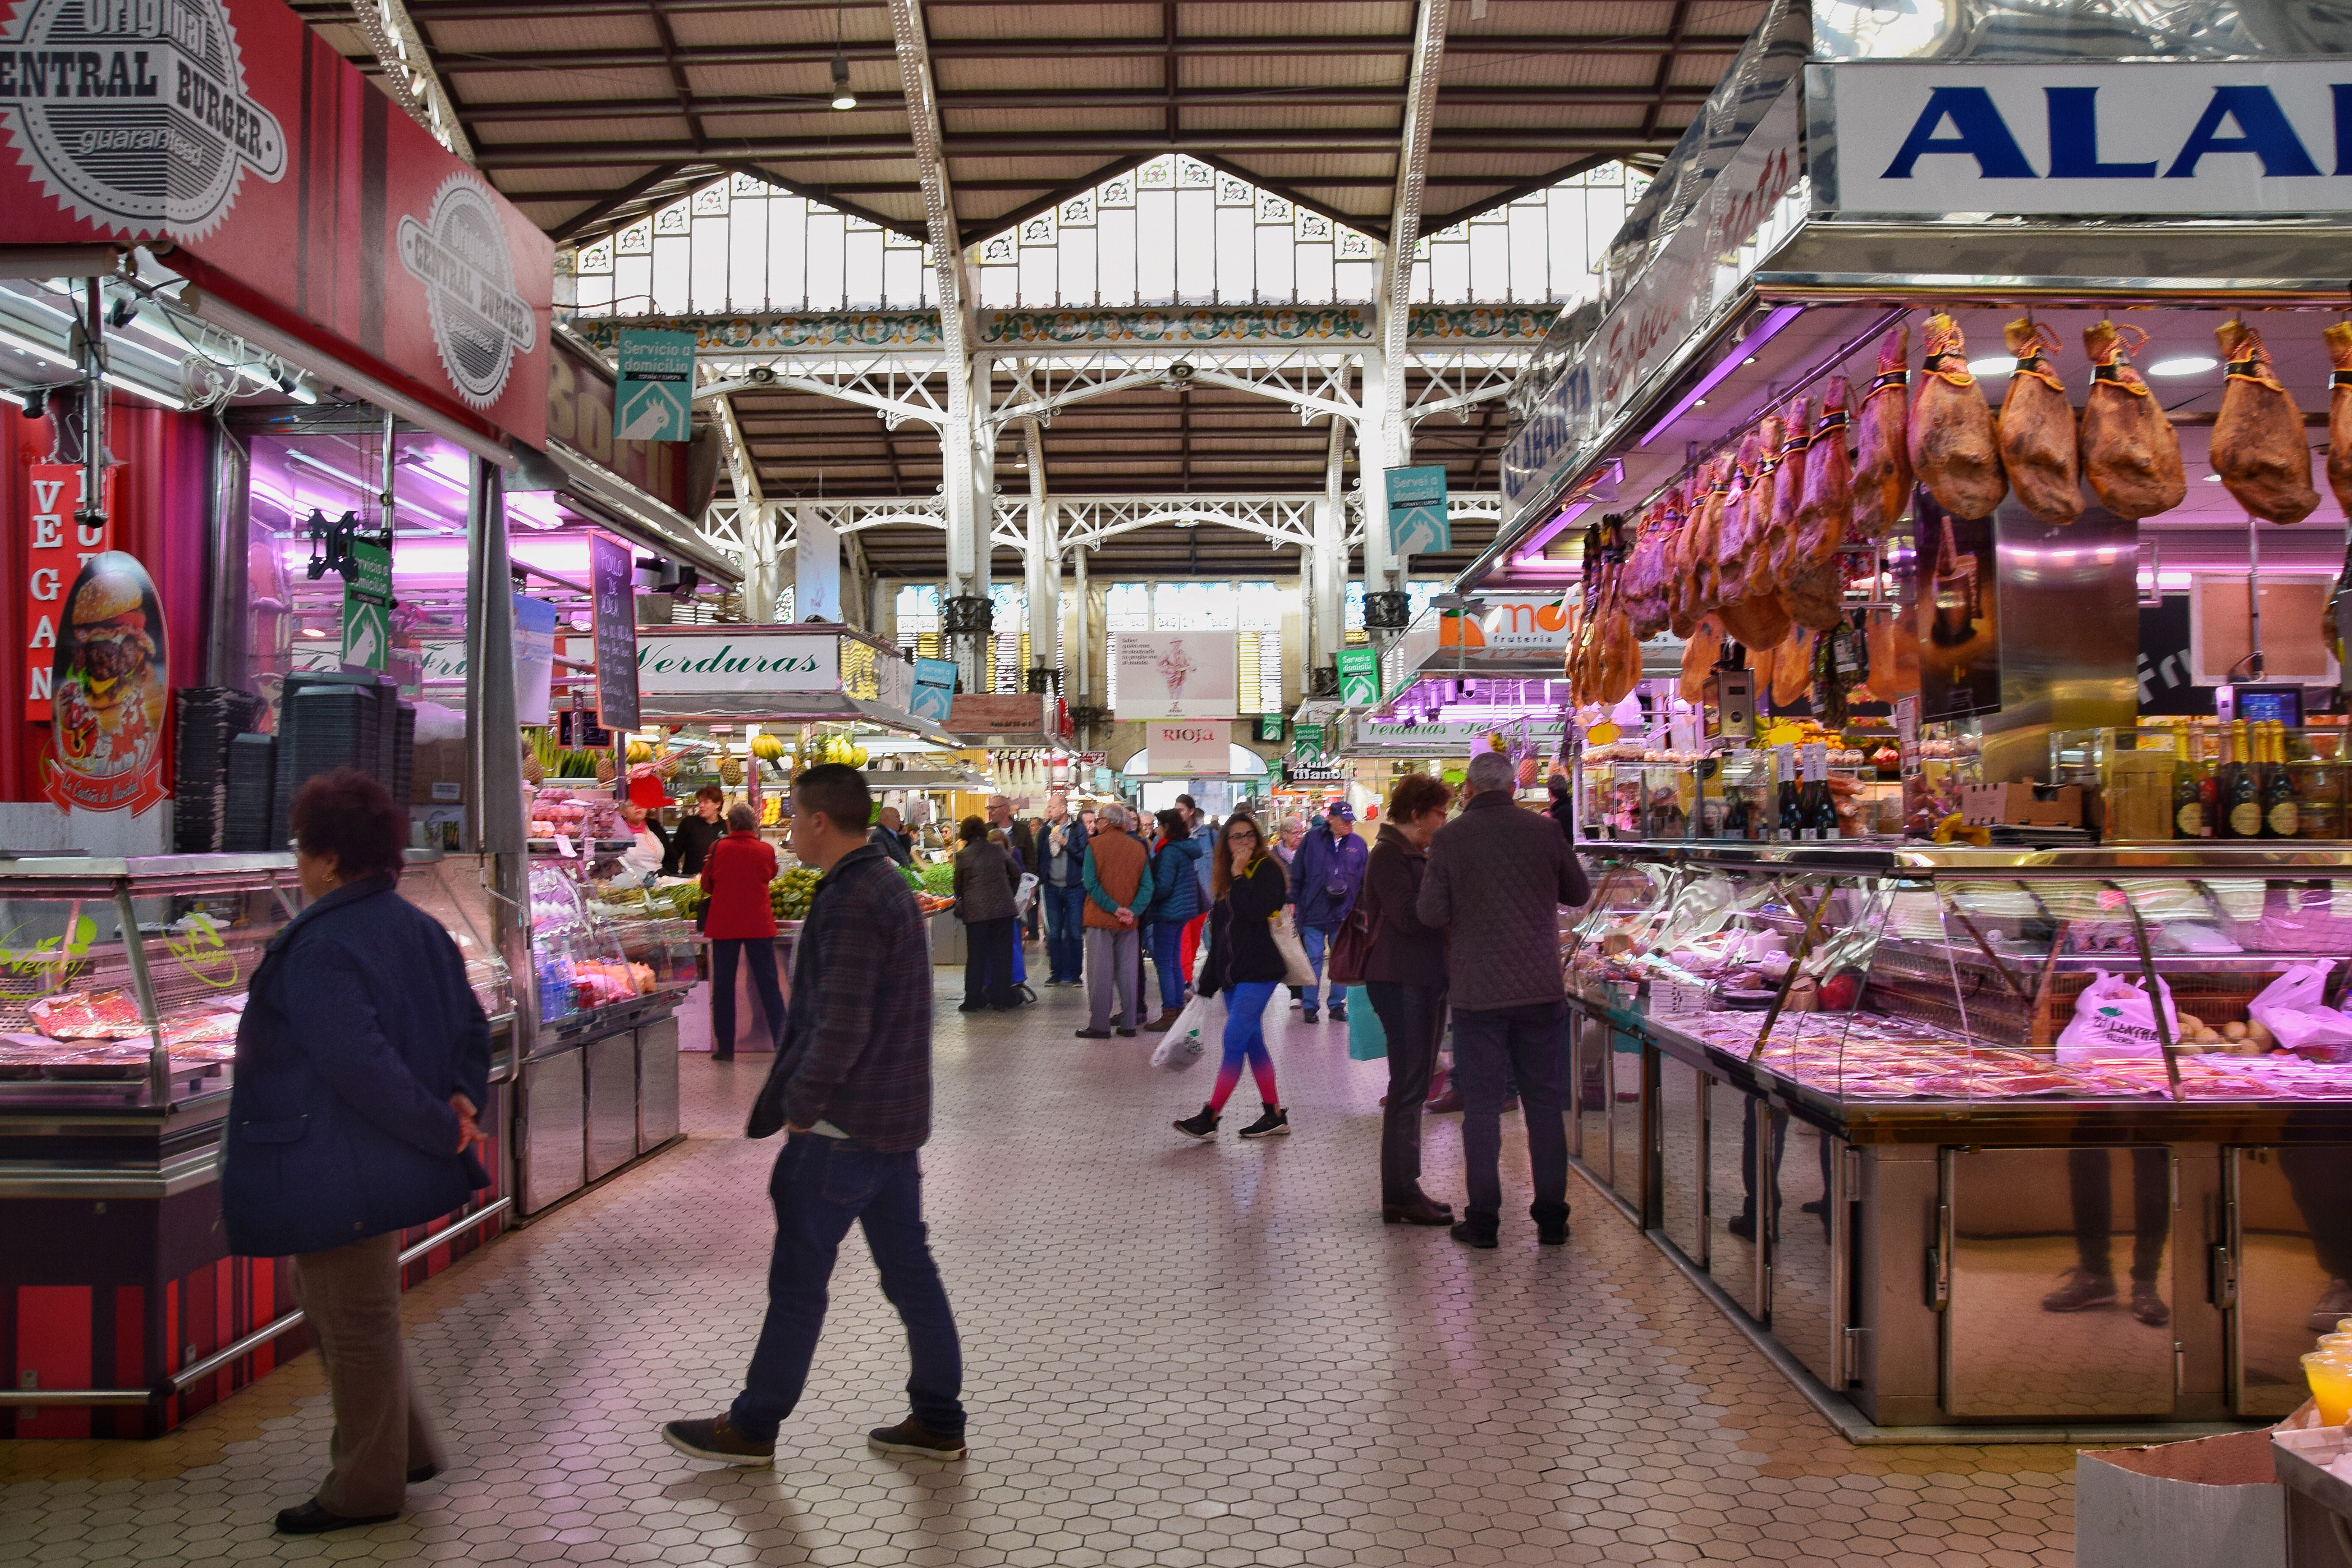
1022	894
2113	1018
2290	1008
1184	1042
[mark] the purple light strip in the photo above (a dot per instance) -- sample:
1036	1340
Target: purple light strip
1550	530
1740	354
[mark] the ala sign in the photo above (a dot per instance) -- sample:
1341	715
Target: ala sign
2134	138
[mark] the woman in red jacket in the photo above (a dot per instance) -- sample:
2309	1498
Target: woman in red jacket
740	923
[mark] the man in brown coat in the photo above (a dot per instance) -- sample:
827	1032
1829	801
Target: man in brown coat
1497	876
1118	886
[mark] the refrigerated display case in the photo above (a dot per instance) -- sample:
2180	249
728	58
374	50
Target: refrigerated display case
611	958
121	983
1911	1116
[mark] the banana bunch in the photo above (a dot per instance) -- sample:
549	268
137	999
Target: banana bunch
767	748
639	751
838	749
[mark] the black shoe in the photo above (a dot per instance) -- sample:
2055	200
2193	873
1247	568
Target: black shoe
1475	1232
1272	1122
2147	1306
1203	1125
1552	1229
422	1473
1126	1033
312	1520
1420	1211
1743	1226
911	1436
2082	1292
1093	1034
1815	1206
1313	1015
1339	1014
716	1440
972	1007
722	1055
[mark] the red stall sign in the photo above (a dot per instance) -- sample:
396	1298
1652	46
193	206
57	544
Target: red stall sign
58	549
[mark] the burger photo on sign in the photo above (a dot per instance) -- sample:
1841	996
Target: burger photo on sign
109	687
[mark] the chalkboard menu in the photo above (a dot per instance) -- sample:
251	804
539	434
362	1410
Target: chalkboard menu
611	574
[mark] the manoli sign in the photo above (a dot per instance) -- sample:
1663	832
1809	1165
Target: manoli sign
289	187
2064	137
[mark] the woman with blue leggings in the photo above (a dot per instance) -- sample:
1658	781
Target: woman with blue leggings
1250	888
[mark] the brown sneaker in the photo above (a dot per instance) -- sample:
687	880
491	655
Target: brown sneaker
911	1436
716	1440
2147	1306
2082	1292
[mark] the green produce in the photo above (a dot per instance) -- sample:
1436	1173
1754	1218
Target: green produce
914	878
939	878
790	895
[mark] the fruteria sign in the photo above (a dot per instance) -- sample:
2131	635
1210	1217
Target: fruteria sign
1514	622
2188	136
289	187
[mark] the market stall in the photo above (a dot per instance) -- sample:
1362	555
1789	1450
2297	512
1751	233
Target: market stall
1901	440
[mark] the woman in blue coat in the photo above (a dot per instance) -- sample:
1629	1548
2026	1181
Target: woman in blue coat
1175	900
361	1062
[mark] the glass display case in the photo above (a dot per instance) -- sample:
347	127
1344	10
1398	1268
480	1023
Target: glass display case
1901	1109
89	1018
602	941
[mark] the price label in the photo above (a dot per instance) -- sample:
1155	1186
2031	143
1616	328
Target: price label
563	847
1672	999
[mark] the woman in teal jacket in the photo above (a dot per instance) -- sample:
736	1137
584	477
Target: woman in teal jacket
1175	900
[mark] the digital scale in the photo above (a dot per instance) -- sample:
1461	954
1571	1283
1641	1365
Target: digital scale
2260	703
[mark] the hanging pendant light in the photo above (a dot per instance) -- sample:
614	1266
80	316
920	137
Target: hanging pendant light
842	97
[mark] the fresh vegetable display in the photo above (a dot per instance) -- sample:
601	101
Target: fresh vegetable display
940	879
789	895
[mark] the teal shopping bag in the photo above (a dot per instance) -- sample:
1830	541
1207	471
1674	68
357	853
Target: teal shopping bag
1367	1041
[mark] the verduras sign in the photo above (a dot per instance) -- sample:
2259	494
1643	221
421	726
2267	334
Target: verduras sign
698	665
2218	138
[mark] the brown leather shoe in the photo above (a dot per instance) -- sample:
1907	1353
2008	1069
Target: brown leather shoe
1420	1211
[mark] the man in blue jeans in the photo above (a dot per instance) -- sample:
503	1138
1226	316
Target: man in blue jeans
1062	873
1326	874
852	1088
1498	877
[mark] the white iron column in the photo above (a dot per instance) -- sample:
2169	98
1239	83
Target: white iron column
984	516
1042	579
965	522
1081	635
1327	562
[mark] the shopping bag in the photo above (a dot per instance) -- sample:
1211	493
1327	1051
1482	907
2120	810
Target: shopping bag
1368	1039
2114	1019
1183	1044
1025	893
2292	1008
1296	970
1352	944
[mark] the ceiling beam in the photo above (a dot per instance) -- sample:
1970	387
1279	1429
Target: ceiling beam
602	153
1673	52
1151	47
411	73
679	84
525	111
609	203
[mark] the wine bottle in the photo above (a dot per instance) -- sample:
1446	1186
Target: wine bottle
2282	817
2209	783
1735	812
2188	793
2242	797
1791	813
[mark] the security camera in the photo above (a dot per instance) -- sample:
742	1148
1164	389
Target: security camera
36	402
763	374
1180	372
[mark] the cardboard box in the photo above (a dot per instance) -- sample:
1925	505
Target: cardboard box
2180	1505
438	774
2021	806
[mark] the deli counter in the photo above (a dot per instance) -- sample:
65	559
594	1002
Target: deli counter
1983	1143
121	985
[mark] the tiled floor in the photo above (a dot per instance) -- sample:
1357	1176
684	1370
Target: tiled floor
1179	1355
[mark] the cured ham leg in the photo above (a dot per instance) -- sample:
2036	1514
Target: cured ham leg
2130	452
1699	655
2036	429
1826	514
1780	535
1882	464
1734	552
1764	501
1950	432
2339	414
2259	447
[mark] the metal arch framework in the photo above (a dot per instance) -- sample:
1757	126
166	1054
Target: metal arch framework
409	72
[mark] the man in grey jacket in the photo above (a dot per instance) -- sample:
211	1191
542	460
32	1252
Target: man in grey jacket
1497	876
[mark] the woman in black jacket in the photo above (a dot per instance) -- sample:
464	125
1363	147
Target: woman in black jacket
986	876
1404	975
362	1062
1251	888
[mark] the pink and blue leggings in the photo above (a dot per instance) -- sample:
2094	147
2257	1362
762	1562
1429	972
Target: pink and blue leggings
1245	1039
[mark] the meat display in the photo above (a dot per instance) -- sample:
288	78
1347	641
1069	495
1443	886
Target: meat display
1780	535
1951	437
112	1015
1882	463
1814	594
2036	429
1764	501
2130	452
1826	513
1792	667
2259	447
1734	548
1645	575
2339	414
1699	654
1758	622
1681	594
